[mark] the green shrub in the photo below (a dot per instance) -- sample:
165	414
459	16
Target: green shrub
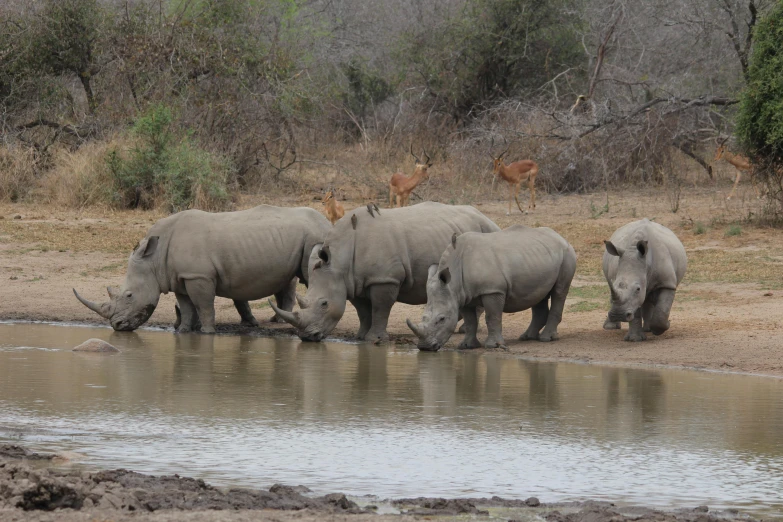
699	229
160	171
733	230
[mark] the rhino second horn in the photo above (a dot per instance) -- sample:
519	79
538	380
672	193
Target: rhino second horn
302	301
414	328
95	307
291	318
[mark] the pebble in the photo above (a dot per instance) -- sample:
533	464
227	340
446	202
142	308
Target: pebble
18	216
95	346
533	502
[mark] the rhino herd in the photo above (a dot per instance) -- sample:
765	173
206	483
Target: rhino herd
452	259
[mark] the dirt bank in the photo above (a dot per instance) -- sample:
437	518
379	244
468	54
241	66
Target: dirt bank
726	316
30	491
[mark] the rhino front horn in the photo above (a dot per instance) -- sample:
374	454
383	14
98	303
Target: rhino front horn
413	327
291	318
101	309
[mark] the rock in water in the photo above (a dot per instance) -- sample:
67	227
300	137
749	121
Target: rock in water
95	346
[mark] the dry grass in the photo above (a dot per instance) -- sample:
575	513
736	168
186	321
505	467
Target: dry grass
81	178
18	168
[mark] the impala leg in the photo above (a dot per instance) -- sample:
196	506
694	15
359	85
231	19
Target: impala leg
510	197
532	185
736	182
517	187
391	197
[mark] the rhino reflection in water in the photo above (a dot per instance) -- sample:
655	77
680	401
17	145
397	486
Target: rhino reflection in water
243	256
375	259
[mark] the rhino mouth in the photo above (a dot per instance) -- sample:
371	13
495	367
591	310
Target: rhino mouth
621	317
312	337
429	346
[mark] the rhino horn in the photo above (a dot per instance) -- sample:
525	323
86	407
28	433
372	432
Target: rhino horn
414	328
291	318
100	309
302	301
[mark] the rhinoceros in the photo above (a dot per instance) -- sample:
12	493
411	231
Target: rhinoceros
244	255
375	259
508	271
644	263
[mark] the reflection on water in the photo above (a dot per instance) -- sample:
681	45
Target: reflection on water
361	419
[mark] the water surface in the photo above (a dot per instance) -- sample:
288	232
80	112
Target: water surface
251	411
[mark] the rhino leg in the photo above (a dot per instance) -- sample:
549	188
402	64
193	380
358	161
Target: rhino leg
187	317
364	311
611	325
558	297
202	293
470	315
493	307
243	307
659	320
647	310
635	332
285	299
540	315
382	298
479	311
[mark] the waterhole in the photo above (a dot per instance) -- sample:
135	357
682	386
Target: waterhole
393	422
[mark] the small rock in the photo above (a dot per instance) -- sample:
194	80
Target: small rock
768	294
533	502
13	278
95	346
702	509
18	216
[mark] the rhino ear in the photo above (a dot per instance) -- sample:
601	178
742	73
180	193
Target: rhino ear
641	246
325	254
612	249
445	276
146	247
433	270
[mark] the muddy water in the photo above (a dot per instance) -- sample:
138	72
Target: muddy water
238	410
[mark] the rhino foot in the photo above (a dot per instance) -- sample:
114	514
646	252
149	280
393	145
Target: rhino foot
611	325
254	321
495	343
545	338
635	337
529	336
274	319
376	338
208	329
469	344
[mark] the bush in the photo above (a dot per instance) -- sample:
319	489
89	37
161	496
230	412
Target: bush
760	117
159	171
18	167
733	230
80	178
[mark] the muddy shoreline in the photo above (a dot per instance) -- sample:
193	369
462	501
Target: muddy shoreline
37	487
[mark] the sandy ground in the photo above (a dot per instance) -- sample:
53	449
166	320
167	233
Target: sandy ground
726	316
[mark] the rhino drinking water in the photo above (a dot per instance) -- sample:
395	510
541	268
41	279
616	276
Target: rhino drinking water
375	259
643	264
508	271
244	255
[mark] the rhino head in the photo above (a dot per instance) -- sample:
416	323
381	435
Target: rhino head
130	306
441	313
629	287
323	305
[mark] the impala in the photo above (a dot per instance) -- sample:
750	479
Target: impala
334	209
514	174
741	163
402	185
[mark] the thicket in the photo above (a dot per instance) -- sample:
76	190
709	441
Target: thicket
180	103
760	116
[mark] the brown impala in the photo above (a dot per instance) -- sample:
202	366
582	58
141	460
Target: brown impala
514	174
402	185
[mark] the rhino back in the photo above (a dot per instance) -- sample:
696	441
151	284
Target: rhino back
400	244
249	254
520	262
667	260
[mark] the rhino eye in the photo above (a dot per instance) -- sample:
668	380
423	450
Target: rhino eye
128	294
441	319
325	304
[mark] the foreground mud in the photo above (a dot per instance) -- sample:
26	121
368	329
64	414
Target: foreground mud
31	490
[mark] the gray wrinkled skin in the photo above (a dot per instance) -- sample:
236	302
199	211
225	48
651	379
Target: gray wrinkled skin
244	255
384	259
644	263
505	272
